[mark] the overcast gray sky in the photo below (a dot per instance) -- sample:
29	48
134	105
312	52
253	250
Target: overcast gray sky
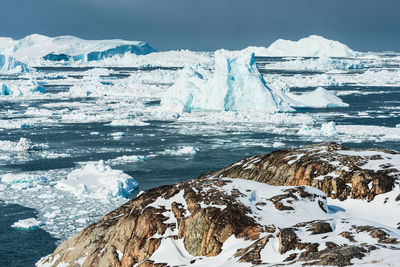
364	25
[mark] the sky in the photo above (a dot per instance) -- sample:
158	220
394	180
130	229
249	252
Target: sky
364	25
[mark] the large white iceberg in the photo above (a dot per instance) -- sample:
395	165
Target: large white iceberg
69	48
312	46
235	85
98	180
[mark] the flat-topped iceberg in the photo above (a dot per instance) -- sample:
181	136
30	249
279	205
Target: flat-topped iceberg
98	180
312	46
235	85
27	224
69	48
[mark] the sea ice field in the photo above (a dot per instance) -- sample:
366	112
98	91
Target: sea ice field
86	125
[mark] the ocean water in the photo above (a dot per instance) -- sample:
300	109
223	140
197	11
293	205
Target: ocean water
74	129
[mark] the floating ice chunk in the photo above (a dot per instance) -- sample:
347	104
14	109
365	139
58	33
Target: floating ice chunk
312	46
236	85
278	144
185	150
319	98
4	89
327	129
28	224
128	122
98	180
26	145
22	88
23	181
123	159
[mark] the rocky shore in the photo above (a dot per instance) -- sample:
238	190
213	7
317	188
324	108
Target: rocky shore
268	210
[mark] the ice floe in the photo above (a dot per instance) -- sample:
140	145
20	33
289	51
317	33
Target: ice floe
98	180
319	98
27	224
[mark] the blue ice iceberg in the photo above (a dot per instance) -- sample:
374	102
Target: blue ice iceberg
235	85
10	65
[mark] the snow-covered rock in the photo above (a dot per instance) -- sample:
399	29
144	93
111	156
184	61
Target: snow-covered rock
98	180
312	46
228	222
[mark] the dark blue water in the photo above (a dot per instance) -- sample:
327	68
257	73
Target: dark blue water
21	247
219	145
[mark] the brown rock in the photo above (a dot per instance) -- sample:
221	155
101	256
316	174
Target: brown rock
322	166
287	240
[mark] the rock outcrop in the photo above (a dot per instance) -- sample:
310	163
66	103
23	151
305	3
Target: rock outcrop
338	171
215	221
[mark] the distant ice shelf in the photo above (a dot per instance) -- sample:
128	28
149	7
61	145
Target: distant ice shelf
69	48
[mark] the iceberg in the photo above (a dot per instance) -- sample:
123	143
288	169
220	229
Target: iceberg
22	88
235	85
10	65
27	224
319	98
312	46
69	48
327	129
97	180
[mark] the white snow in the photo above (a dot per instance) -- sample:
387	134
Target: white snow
98	180
28	224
